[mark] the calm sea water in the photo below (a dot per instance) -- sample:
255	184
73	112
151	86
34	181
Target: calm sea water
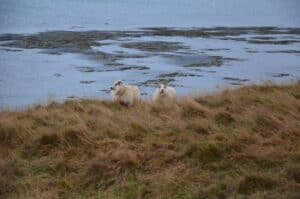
42	15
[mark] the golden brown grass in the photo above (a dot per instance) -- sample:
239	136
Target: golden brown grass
243	143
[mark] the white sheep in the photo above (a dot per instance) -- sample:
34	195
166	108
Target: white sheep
164	93
125	94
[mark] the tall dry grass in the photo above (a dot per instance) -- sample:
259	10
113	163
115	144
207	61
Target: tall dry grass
240	143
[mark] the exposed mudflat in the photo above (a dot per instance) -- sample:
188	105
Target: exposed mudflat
63	64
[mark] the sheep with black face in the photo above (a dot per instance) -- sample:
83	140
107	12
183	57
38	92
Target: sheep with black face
125	94
164	93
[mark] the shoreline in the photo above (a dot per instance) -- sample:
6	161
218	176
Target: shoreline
147	99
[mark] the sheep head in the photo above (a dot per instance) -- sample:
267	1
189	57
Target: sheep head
162	88
118	87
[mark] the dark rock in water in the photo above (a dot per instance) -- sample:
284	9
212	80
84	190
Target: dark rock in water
51	52
252	51
235	79
199	60
206	62
62	41
210	71
76	27
233	38
86	69
113	64
87	82
57	75
178	74
155	82
263	38
213	32
216	49
105	90
10	50
275	42
134	68
281	75
125	68
236	83
232	59
155	46
284	51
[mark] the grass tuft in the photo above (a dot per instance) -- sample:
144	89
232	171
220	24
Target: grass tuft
76	136
294	173
224	119
49	139
253	183
205	152
10	134
192	109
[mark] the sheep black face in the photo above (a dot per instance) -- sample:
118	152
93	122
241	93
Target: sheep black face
116	85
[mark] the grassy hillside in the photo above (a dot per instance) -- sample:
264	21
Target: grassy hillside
238	144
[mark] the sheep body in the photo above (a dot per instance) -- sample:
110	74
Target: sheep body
125	94
164	93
